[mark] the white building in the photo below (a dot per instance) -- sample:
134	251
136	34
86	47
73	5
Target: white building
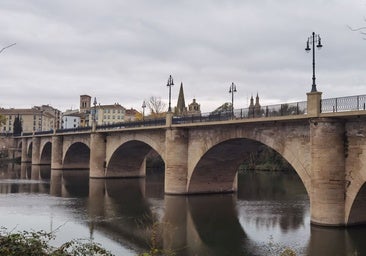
71	119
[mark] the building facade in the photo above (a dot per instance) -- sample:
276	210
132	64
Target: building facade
38	118
194	108
108	114
71	119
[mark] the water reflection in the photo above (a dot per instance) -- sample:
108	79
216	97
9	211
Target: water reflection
271	194
123	213
216	223
120	209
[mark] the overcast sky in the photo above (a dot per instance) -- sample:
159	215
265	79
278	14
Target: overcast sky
124	51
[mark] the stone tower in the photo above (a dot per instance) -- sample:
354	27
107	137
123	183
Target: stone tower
257	106
194	108
85	103
254	109
181	108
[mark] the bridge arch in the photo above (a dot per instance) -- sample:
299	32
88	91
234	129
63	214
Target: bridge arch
76	156
29	149
358	207
19	144
46	151
129	159
214	168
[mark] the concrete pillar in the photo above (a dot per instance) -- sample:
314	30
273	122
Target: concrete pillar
327	199
169	119
176	161
97	155
314	103
24	157
56	154
36	150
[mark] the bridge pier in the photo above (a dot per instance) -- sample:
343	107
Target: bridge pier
24	156
176	161
327	197
97	155
36	150
56	154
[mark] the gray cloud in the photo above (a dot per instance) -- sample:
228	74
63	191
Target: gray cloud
124	51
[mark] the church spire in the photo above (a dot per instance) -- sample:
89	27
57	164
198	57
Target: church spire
181	105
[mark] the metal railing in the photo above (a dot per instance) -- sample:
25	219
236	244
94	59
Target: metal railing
287	109
76	129
133	124
343	104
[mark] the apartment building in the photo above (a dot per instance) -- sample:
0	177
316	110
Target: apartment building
38	118
108	114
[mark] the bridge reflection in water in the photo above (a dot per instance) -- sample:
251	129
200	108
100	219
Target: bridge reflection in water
267	208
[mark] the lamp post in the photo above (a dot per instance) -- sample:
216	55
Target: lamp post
232	90
170	84
143	110
314	38
55	121
94	113
95	109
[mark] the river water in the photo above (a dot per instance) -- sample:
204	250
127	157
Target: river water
269	213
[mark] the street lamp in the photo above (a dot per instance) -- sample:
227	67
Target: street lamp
314	38
232	91
170	84
143	110
95	109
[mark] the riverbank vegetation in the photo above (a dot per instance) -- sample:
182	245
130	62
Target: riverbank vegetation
33	243
265	159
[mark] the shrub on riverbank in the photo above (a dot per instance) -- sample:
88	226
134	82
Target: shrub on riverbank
265	159
33	243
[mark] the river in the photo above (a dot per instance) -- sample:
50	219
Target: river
269	213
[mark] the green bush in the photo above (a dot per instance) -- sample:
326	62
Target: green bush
33	243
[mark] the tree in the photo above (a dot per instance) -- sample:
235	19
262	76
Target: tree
17	127
226	107
156	106
2	120
361	30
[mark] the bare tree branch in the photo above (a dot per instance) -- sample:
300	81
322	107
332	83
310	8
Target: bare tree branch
356	29
156	106
7	47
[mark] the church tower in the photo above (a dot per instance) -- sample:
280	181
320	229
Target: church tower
251	106
257	106
181	108
85	103
254	109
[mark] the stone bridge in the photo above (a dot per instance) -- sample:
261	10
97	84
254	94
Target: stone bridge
327	150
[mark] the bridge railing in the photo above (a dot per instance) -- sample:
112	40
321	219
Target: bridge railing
287	109
76	129
43	132
132	124
344	104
